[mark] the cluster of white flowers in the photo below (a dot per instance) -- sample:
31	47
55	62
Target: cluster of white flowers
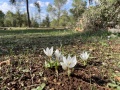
68	62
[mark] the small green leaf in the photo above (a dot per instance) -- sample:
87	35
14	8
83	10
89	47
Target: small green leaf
41	87
47	65
114	86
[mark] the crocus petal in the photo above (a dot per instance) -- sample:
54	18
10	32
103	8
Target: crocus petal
47	49
51	51
74	60
69	58
63	65
73	63
65	61
57	54
45	52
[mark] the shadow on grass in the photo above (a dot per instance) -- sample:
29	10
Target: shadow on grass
16	45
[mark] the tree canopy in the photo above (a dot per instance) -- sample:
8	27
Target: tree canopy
88	14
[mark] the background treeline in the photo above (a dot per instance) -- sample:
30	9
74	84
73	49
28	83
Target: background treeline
17	19
85	14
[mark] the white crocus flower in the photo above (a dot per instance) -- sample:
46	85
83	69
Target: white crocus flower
48	51
84	56
58	55
70	62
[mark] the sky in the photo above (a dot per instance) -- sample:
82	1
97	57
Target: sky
6	6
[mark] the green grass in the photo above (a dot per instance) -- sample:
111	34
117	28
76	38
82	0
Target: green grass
43	38
33	31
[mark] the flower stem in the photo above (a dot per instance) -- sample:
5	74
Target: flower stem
50	61
84	63
56	72
68	72
56	68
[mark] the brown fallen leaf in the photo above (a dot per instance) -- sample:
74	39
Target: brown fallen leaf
52	89
7	62
13	88
117	78
74	46
58	83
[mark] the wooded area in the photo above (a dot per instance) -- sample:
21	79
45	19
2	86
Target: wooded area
84	14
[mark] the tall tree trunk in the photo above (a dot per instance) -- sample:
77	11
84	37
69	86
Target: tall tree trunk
28	15
58	17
